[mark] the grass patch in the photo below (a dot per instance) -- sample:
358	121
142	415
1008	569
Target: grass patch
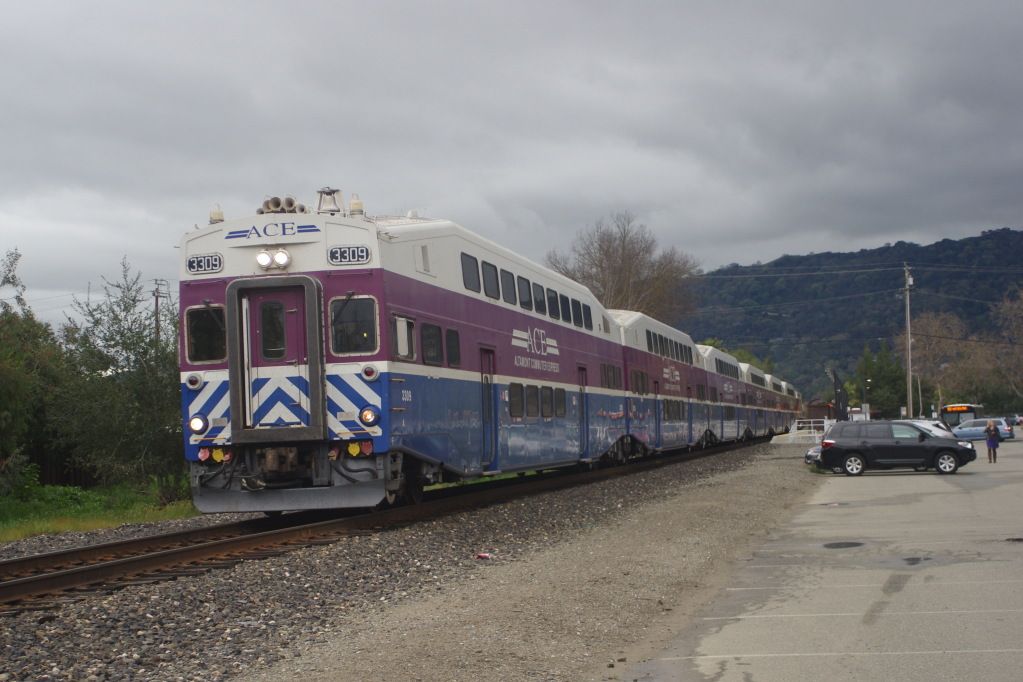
56	509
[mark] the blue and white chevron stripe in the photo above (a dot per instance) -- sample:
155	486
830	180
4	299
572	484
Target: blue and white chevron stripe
279	400
347	393
212	400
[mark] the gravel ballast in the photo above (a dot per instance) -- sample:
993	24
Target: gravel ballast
576	580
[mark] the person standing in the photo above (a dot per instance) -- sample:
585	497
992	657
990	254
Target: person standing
993	438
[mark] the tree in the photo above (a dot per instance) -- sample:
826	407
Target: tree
886	390
30	371
120	411
1009	314
618	260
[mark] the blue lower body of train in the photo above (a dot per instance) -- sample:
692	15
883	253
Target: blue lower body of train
434	429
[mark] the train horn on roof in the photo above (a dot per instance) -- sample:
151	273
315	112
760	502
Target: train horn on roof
272	205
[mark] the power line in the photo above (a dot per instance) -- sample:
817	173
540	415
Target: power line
818	270
718	309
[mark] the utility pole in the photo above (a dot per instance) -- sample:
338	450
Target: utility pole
909	348
160	290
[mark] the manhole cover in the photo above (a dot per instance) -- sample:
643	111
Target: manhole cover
842	545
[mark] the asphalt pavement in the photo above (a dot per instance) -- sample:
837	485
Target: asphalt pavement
893	575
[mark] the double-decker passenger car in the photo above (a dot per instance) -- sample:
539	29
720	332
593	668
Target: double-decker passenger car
329	359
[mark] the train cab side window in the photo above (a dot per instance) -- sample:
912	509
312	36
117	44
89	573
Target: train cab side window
491	284
433	350
577	313
559	402
273	343
206	336
515	400
353	326
402	340
566	308
532	401
649	340
525	295
552	304
539	304
546	402
508	287
470	273
454	348
587	317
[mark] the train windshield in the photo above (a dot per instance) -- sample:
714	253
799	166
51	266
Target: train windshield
353	326
206	338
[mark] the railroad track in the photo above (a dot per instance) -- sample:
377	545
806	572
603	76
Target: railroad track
45	581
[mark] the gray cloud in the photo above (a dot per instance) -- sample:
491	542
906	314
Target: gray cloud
737	131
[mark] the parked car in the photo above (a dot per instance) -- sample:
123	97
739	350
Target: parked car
974	429
854	447
813	455
939	428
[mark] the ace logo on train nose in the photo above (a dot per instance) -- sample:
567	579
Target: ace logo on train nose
281	229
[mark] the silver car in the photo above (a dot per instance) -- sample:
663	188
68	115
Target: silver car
974	429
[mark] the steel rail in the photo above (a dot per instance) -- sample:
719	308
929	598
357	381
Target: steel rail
197	557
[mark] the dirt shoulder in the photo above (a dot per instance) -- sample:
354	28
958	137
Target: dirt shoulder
619	590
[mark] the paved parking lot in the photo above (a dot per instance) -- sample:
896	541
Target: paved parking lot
889	576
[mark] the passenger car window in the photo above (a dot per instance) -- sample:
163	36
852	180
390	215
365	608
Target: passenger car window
470	272
454	348
539	305
552	304
433	350
904	432
508	287
847	431
525	297
491	287
878	431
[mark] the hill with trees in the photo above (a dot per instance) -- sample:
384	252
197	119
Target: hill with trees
843	310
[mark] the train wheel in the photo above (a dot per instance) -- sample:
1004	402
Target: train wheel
413	491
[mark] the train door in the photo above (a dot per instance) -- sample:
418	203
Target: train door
273	353
488	413
584	417
657	414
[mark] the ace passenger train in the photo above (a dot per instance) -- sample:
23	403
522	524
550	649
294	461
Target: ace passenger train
331	359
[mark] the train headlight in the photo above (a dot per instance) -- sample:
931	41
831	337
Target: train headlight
264	259
369	415
282	258
198	424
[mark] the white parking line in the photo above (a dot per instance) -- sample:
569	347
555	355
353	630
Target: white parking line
847	653
931	583
860	615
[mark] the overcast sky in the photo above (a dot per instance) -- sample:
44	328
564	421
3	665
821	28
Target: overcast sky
737	131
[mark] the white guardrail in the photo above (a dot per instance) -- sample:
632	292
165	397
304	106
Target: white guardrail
804	431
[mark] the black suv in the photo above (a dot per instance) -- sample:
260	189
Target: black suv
852	447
